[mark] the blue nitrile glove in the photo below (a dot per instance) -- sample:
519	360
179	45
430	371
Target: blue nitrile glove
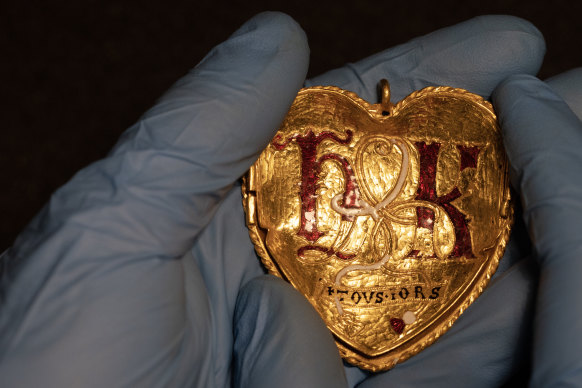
131	275
543	138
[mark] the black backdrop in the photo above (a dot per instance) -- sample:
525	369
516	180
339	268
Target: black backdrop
75	74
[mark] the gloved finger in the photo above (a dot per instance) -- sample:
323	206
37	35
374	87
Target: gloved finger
221	115
567	85
161	184
126	215
281	341
485	345
467	55
543	138
207	130
226	259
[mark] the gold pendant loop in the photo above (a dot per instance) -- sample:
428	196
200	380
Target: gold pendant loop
385	100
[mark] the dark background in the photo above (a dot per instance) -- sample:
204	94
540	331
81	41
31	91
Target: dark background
75	74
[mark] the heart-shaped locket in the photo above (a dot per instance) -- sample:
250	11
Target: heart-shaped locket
389	219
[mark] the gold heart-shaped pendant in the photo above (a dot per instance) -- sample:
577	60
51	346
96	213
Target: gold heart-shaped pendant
390	219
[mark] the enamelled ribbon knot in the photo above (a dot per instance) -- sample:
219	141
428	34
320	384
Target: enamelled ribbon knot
350	203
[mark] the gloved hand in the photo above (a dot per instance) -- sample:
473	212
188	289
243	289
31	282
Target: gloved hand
132	273
543	139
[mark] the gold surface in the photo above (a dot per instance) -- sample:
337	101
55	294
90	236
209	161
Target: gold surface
390	219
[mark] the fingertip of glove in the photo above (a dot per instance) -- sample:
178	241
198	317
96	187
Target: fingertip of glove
511	23
522	46
479	53
281	31
506	44
271	39
519	30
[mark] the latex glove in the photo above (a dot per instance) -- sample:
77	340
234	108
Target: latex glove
130	275
543	138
